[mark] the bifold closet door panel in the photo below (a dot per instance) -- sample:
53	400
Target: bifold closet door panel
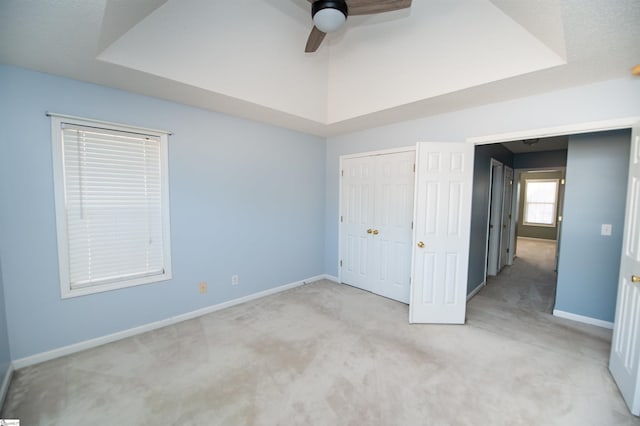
357	214
376	220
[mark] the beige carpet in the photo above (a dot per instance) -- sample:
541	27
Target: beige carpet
530	283
329	354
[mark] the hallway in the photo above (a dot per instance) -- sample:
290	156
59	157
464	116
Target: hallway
530	283
518	303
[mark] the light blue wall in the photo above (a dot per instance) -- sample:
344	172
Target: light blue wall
480	208
595	193
601	101
246	199
5	353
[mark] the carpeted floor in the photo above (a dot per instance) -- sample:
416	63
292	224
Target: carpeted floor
329	354
530	283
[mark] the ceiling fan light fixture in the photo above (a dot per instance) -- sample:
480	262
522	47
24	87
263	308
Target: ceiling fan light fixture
329	16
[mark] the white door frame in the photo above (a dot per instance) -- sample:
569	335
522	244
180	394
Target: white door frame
340	167
508	211
494	210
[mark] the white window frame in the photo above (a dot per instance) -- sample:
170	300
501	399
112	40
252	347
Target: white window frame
57	121
555	203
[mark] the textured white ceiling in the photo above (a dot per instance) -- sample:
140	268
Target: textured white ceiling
246	58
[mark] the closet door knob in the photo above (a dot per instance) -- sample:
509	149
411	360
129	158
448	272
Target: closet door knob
420	244
369	231
375	232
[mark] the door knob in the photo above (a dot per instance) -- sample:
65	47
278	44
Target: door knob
375	232
369	231
635	279
420	244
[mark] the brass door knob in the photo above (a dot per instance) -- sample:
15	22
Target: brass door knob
369	231
375	232
635	279
420	244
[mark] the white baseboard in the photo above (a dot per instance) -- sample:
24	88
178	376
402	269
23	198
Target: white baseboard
330	278
547	240
98	341
5	384
581	318
476	290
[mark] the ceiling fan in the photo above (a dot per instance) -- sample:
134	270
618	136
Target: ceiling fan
330	15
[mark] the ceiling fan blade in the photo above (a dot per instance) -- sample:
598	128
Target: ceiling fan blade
314	40
369	7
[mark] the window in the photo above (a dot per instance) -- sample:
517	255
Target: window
540	202
112	205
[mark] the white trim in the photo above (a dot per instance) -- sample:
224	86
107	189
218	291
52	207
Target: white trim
476	290
537	239
66	290
583	319
5	384
99	341
120	126
569	129
330	278
379	152
555	203
491	212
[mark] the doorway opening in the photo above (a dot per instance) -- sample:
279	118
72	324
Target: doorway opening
525	199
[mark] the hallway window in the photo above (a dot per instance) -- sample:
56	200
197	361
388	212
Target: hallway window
540	202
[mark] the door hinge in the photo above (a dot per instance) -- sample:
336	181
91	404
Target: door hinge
341	263
414	167
342	173
341	219
507	250
411	225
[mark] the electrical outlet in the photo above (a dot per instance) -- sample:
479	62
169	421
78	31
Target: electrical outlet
234	280
203	287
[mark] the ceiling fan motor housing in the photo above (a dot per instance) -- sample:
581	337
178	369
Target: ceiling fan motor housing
329	7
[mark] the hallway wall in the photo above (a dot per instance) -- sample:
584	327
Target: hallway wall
595	194
479	208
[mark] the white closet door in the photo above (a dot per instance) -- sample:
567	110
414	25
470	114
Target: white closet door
357	217
393	216
444	183
377	213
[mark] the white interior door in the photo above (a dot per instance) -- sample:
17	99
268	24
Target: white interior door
393	216
357	205
442	221
506	217
376	223
625	346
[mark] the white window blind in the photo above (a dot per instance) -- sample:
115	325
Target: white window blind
540	205
114	224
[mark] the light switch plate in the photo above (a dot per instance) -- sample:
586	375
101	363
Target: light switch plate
605	229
